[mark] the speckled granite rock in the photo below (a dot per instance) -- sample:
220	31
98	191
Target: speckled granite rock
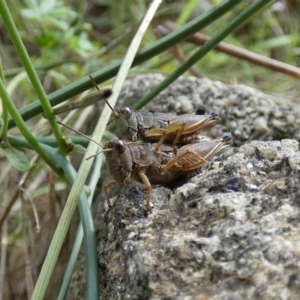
230	232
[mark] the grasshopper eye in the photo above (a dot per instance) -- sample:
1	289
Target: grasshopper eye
126	112
120	146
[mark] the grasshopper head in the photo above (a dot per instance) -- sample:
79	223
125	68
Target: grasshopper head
120	113
118	160
127	123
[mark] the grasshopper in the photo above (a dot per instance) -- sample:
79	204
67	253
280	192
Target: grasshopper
159	127
180	129
141	162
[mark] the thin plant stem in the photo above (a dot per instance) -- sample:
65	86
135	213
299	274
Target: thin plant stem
79	236
240	53
4	114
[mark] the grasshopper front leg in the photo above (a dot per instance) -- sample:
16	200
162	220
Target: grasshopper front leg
176	129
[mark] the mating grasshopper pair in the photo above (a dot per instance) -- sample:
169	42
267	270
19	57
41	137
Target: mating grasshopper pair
158	163
143	163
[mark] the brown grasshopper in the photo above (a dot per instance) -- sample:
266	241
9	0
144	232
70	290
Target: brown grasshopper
160	127
141	162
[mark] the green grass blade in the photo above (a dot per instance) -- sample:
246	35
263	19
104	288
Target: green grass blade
131	52
79	236
62	228
20	141
3	110
187	11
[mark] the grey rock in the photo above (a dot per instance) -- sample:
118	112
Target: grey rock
238	239
230	232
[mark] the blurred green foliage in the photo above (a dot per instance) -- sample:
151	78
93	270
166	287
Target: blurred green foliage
70	39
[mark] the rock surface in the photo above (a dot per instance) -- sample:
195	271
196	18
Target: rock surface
230	232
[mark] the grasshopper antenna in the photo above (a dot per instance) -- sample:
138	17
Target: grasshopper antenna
96	86
104	150
87	137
